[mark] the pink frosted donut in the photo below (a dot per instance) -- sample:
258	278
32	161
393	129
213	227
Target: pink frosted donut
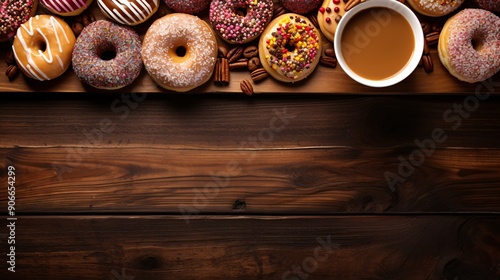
240	21
188	7
490	5
13	13
66	7
107	55
469	45
301	6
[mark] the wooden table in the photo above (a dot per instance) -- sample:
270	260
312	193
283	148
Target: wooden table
274	186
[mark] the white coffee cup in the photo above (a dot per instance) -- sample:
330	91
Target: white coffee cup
413	61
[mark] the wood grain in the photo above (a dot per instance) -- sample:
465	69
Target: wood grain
226	122
295	181
165	247
323	81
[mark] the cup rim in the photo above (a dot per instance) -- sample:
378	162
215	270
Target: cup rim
418	34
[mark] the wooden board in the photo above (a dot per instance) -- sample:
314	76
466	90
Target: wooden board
323	81
241	247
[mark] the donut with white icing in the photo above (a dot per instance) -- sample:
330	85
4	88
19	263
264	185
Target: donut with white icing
66	8
129	12
42	47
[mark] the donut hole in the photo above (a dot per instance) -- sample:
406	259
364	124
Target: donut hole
242	11
477	43
290	46
41	45
106	51
181	51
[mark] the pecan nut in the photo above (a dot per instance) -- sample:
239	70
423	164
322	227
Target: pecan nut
432	38
221	75
12	72
234	54
222	51
426	47
428	64
259	74
251	51
253	64
313	18
330	52
77	28
238	65
328	61
246	87
278	10
426	27
9	57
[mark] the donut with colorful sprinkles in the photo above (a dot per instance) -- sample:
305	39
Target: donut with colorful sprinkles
107	55
13	13
240	21
290	48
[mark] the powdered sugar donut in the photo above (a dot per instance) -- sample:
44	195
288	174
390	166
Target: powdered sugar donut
301	6
469	45
13	13
240	21
490	5
188	6
129	12
66	7
435	8
179	52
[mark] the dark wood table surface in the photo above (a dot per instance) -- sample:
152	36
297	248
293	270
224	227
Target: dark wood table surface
347	183
159	186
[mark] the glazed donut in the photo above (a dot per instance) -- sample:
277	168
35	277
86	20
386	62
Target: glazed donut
290	48
329	15
239	29
188	6
42	47
490	5
129	12
107	55
179	52
435	8
66	7
300	6
469	45
13	13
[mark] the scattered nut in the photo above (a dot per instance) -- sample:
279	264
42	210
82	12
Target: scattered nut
328	61
222	51
278	10
9	57
428	64
426	27
12	72
253	64
259	74
246	87
251	51
314	19
432	38
77	28
330	52
234	54
238	65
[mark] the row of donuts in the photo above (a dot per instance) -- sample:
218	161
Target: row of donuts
289	48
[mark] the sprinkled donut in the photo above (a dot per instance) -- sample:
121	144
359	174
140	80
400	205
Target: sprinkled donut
13	13
290	48
301	6
42	47
490	5
66	7
129	12
329	15
228	18
469	45
188	6
435	8
107	55
179	52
